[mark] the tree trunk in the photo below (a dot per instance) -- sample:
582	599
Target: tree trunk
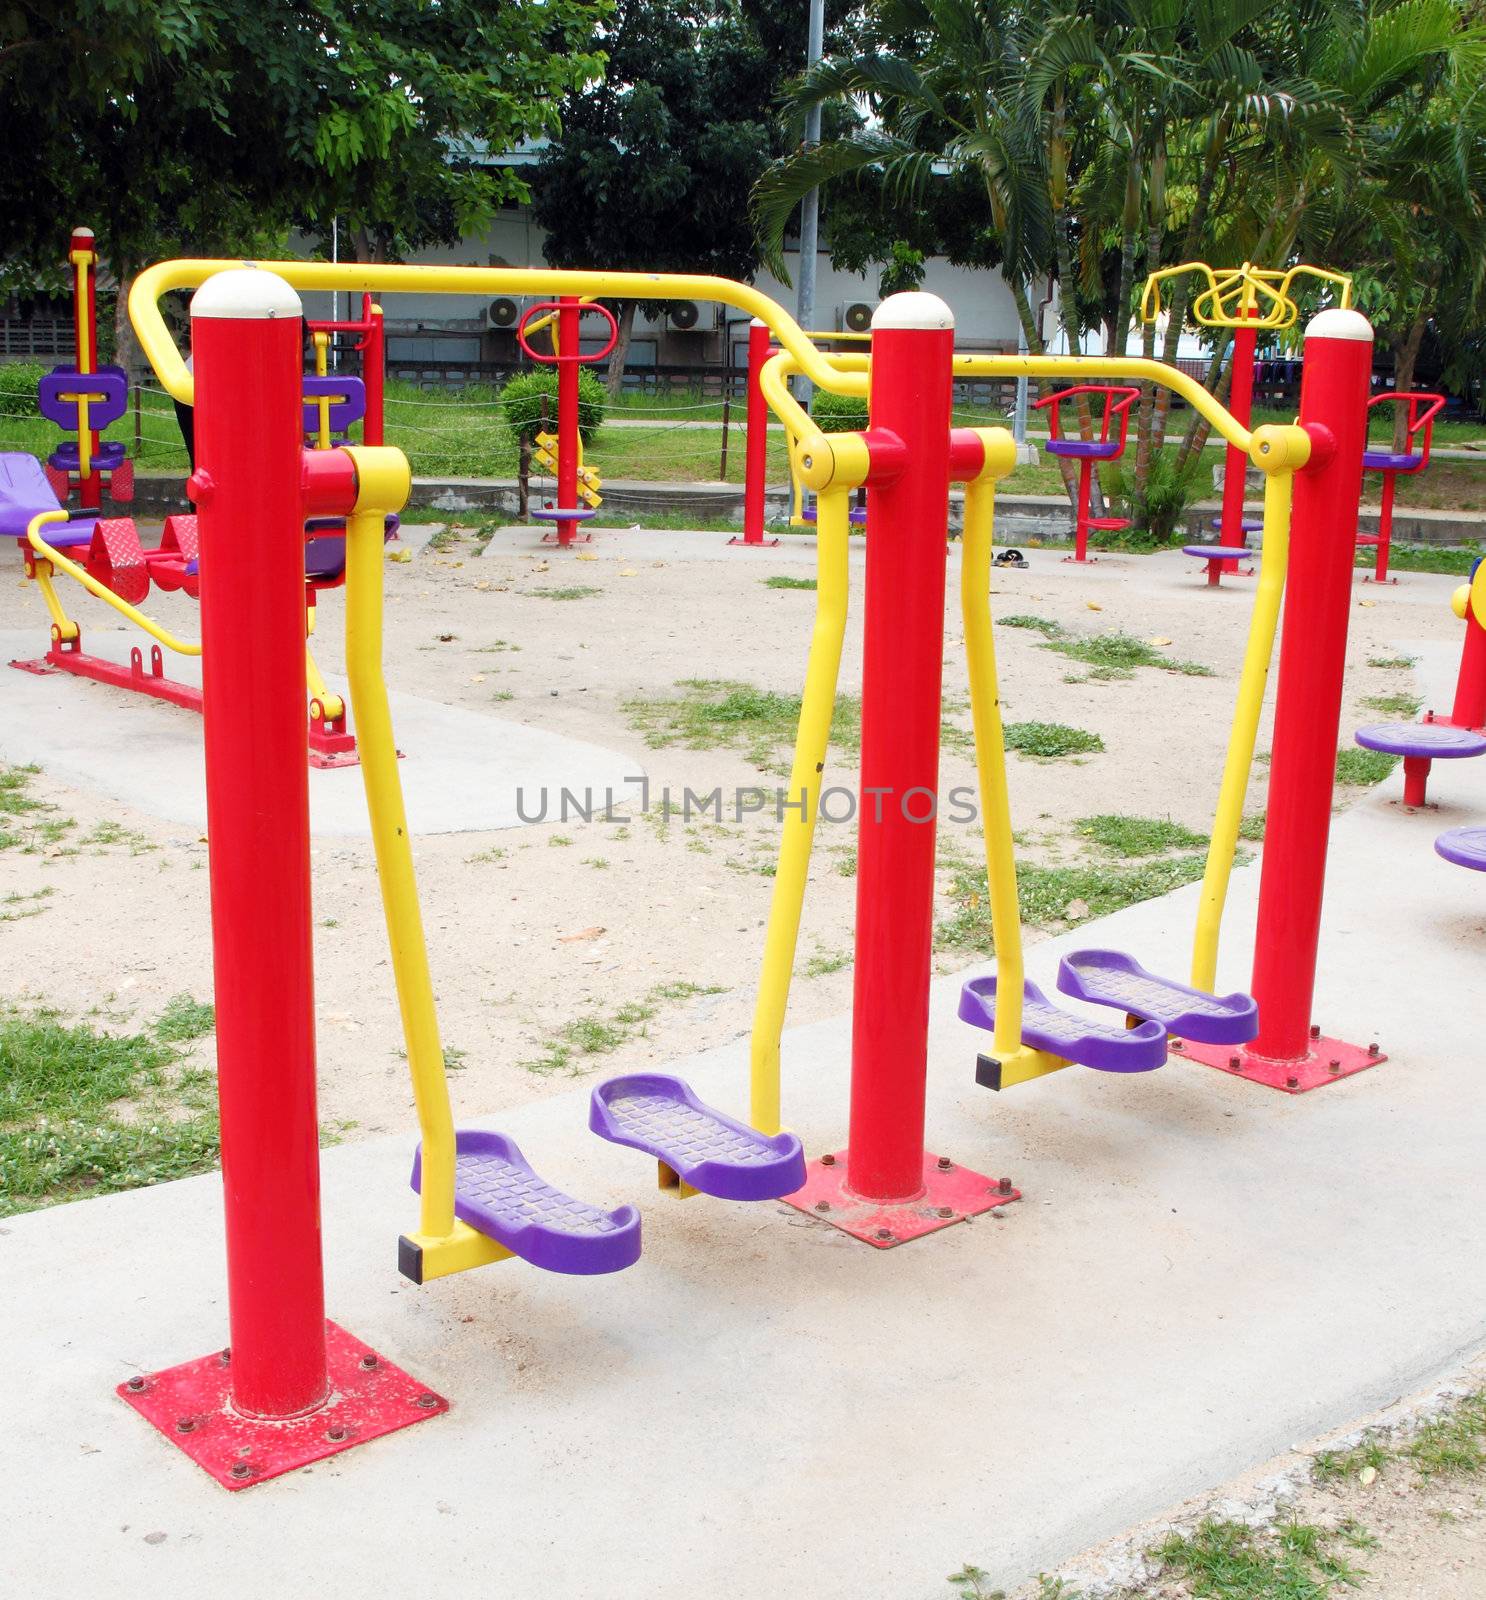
620	353
126	347
1144	430
1217	381
1129	245
1035	346
1405	357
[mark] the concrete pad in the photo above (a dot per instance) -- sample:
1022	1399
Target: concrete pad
1201	1273
414	537
463	771
659	544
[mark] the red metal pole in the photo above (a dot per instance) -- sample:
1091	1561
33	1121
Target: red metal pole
756	447
1385	528
1085	496
1469	710
85	323
567	417
373	371
903	645
1236	463
1333	410
246	337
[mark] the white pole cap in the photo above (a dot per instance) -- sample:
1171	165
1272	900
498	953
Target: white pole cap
913	309
246	294
1339	324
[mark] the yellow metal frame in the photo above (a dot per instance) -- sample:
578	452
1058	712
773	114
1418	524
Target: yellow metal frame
1243	296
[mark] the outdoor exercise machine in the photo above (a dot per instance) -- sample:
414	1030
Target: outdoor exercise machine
1114	407
1418	429
1250	300
1466	847
107	557
563	453
86	398
1462	733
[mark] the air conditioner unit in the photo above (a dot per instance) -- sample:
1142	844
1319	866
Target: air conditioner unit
855	316
693	316
503	313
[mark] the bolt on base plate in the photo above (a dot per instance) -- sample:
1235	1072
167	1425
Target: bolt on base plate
950	1194
1324	1062
192	1406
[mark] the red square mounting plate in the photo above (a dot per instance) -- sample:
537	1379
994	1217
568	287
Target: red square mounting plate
192	1406
1326	1060
950	1194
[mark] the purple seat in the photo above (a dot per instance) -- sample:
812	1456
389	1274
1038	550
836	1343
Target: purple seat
1111	978
497	1194
1431	741
25	493
1045	1026
1386	461
1466	847
107	391
1246	524
660	1115
1220	552
347	403
108	457
553	514
1085	449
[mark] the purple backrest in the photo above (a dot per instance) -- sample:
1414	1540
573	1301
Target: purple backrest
24	492
107	391
347	402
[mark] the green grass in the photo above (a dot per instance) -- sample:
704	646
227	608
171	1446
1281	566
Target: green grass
1394	663
600	1035
1360	769
1116	655
1334	1466
86	1112
1127	836
26	823
1227	1561
721	713
1049	894
1394	705
1252	826
780	582
1453	1445
824	962
576	591
1423	558
16	907
1043	625
1049	740
184	1019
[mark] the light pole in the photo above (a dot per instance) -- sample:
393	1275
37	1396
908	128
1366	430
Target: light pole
810	205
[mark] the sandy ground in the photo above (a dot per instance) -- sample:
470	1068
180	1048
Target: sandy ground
533	928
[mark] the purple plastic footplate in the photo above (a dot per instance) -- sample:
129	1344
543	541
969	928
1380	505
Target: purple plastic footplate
1112	978
1435	741
1079	1039
1220	552
552	514
108	457
660	1115
497	1194
1084	449
1386	461
1247	524
1466	847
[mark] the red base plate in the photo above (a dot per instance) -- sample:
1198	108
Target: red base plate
754	544
192	1406
950	1195
1324	1062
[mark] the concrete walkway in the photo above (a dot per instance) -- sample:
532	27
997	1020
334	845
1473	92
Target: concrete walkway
1201	1273
462	771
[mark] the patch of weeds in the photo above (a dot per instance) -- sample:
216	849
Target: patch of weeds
1227	1561
1049	740
1394	705
494	853
34	823
1252	827
597	1035
846	863
1048	894
1043	625
184	1019
974	1583
495	647
574	591
330	922
454	1058
1454	1444
716	712
1125	835
85	1112
1393	663
596	862
1360	769
1118	654
16	907
778	581
1331	1466
558	840
109	833
824	962
502	695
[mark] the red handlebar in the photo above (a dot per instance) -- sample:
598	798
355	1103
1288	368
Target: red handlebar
556	357
1113	407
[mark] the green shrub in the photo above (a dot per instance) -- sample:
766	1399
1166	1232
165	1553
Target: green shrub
18	380
838	413
1168	493
521	403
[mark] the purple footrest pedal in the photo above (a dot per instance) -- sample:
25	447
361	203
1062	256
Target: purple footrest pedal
1220	552
1433	741
1111	978
1045	1026
497	1194
660	1115
1466	847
